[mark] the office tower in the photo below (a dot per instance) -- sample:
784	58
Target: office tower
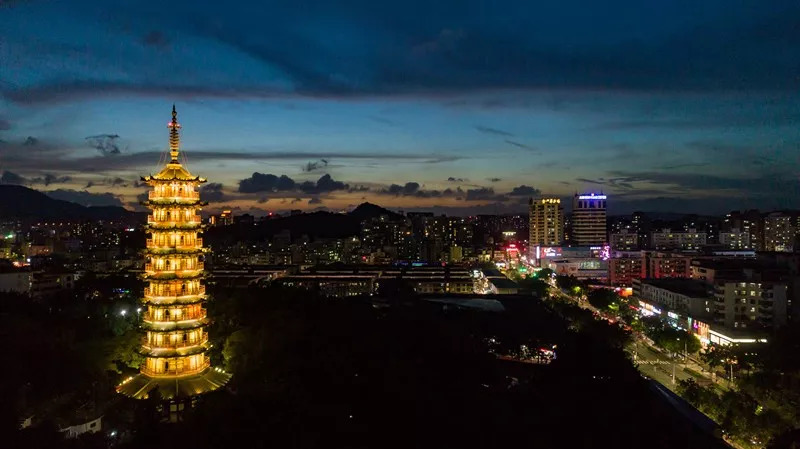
778	232
688	239
588	219
174	318
751	222
546	218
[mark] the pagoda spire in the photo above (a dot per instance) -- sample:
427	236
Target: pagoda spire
173	316
174	136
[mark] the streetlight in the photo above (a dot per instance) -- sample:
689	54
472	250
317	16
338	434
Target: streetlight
685	354
123	312
673	365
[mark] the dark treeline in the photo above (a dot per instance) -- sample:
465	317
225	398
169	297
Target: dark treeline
311	372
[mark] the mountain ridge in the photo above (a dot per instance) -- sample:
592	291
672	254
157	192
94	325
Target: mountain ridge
21	202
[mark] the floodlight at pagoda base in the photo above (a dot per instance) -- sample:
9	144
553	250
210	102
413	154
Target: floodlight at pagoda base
170	387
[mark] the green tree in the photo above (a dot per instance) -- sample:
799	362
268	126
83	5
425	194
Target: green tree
569	283
235	350
604	299
716	356
535	285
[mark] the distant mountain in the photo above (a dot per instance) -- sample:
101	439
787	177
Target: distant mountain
27	204
366	211
315	225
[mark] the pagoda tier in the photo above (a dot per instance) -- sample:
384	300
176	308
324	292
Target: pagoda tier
176	341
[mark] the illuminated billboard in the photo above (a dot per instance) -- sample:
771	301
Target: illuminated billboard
548	252
591	196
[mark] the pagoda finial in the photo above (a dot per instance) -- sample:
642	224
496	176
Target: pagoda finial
174	136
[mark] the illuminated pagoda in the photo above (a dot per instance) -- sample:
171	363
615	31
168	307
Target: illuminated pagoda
176	342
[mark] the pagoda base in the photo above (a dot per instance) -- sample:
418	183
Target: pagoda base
174	387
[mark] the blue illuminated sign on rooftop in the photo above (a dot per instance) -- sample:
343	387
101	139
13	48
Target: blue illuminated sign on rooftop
592	196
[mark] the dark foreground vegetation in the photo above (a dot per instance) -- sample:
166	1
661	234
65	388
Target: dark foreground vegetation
312	372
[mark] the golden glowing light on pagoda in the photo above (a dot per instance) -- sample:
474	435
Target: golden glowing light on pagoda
174	319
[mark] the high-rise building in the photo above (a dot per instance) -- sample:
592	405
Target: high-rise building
735	239
546	217
750	222
640	224
778	232
623	270
688	239
749	301
174	318
588	219
624	240
667	265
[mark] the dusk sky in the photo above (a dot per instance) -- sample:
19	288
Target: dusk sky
455	106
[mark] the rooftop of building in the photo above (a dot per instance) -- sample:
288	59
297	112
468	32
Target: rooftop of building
140	386
488	305
730	264
688	287
503	283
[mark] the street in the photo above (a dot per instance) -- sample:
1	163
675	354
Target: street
649	360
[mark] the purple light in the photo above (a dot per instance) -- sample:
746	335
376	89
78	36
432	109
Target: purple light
592	196
605	253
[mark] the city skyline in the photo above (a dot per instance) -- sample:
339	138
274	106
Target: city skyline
459	110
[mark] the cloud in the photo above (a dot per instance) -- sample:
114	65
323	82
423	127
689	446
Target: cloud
324	184
445	41
11	178
414	189
315	200
50	178
524	190
156	39
259	182
106	144
686	47
766	184
494	179
452	179
483	193
85	198
31	141
409	188
113	182
493	131
317	165
48	158
212	192
5	125
622	182
117	182
520	145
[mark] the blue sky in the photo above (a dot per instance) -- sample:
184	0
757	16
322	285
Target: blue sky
453	106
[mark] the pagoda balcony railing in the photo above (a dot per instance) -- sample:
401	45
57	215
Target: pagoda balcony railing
175	318
153	195
168	293
198	242
149	267
203	366
179	344
191	220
